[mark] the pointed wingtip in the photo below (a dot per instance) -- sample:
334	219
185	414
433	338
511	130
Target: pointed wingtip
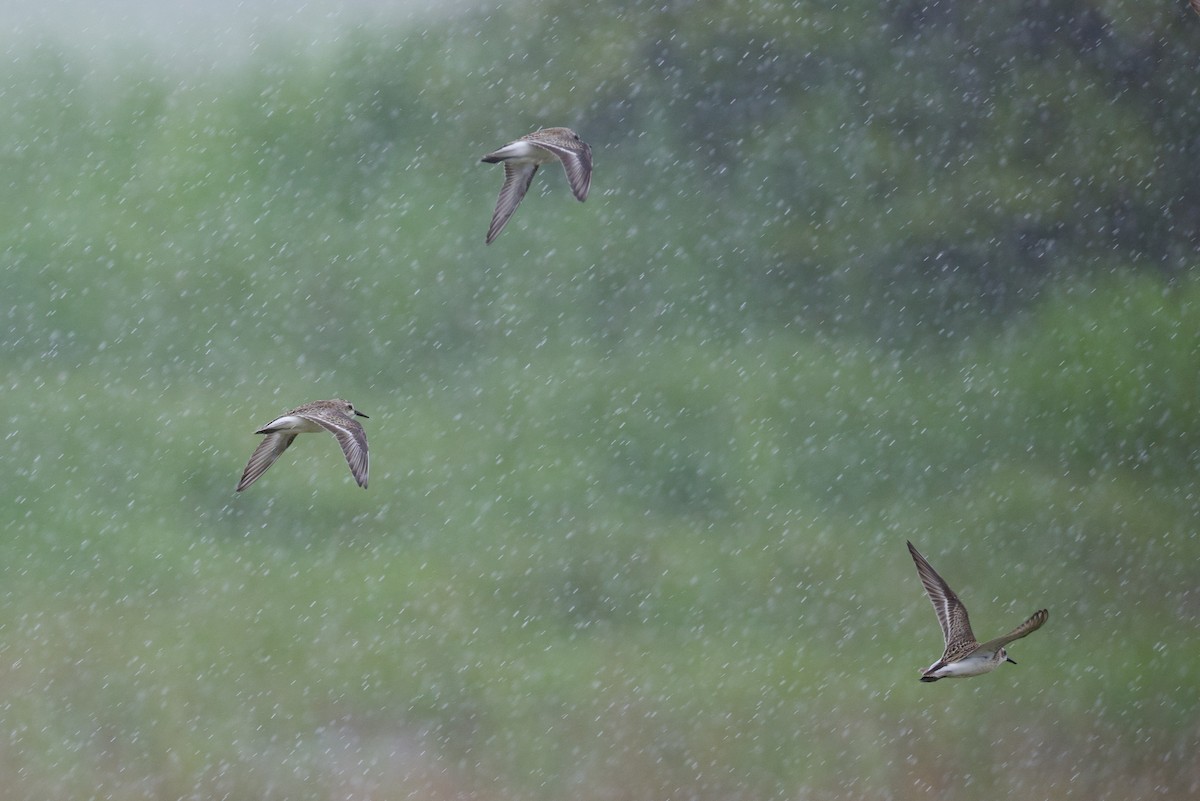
916	555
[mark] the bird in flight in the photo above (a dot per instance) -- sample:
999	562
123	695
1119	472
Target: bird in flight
964	656
335	416
521	160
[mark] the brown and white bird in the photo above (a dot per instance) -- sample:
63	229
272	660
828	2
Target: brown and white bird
964	656
335	416
521	161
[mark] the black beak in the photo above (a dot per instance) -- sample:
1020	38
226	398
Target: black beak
360	414
1010	659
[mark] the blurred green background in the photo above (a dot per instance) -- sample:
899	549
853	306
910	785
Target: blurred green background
642	470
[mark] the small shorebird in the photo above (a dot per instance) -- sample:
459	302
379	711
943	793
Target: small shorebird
333	416
964	656
521	161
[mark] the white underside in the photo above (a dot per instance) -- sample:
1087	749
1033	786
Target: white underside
291	422
525	152
971	666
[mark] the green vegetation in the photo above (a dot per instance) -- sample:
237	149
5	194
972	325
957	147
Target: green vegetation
642	471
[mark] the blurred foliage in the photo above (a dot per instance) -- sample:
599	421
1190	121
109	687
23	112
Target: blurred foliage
642	469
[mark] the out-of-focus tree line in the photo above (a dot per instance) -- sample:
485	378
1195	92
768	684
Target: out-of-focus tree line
934	163
889	171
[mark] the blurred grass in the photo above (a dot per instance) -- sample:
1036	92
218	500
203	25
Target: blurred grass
628	534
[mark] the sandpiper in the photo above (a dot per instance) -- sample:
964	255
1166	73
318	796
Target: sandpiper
333	416
964	656
521	161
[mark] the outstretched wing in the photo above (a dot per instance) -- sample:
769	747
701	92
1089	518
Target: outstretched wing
577	161
1035	622
273	444
517	178
353	439
951	614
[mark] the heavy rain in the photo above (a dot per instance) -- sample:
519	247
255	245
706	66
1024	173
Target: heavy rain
642	470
